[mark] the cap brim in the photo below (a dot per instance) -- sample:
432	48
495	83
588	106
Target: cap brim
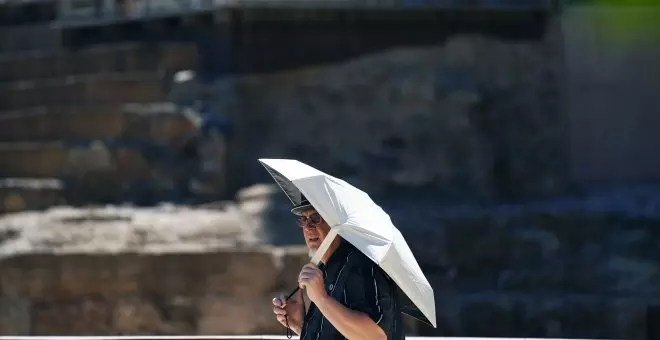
299	209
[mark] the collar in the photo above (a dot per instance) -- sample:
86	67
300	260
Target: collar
340	253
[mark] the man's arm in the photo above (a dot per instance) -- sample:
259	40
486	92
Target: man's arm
351	324
356	322
370	291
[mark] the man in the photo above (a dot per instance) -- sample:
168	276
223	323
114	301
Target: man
351	297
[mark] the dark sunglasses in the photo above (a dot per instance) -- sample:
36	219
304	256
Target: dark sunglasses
313	220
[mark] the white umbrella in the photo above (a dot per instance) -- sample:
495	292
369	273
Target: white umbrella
353	215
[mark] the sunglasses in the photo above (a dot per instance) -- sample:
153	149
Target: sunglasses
313	220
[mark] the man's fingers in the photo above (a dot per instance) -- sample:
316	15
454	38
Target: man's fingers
279	311
311	266
302	284
279	301
281	319
309	270
306	277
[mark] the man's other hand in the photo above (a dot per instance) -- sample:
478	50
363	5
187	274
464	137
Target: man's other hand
291	309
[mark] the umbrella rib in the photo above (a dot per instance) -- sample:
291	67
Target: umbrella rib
270	171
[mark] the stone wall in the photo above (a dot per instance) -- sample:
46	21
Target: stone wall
473	118
572	269
582	269
221	292
103	59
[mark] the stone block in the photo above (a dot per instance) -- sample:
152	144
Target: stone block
101	124
102	59
160	125
136	317
106	90
490	319
237	316
170	129
14	316
33	160
178	56
293	259
82	276
77	317
175	315
40	93
99	90
131	165
498	314
68	277
245	273
31	276
623	319
477	260
21	194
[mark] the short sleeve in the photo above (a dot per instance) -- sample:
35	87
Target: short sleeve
368	290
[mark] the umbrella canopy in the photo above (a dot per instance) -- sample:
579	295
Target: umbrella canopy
353	215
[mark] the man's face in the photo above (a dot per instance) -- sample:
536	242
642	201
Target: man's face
315	229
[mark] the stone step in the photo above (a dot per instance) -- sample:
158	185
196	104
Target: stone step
29	38
74	123
57	159
112	122
104	171
18	194
83	90
105	59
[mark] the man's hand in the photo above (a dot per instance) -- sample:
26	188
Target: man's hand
311	279
290	311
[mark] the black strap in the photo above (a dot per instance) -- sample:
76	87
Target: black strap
289	332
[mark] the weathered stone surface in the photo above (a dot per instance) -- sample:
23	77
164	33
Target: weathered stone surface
135	317
15	316
71	123
228	315
83	90
139	89
461	120
269	211
98	60
292	263
161	122
510	315
154	122
225	292
94	162
17	194
126	229
82	317
32	159
519	272
527	252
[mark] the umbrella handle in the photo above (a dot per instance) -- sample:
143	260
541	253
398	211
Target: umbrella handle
292	293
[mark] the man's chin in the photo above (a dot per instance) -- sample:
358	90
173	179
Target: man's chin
312	249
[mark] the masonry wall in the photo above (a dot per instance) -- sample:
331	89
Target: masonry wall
224	292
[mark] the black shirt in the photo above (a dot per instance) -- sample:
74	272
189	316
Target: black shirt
358	283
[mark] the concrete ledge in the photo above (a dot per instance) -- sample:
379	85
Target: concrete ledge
237	337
